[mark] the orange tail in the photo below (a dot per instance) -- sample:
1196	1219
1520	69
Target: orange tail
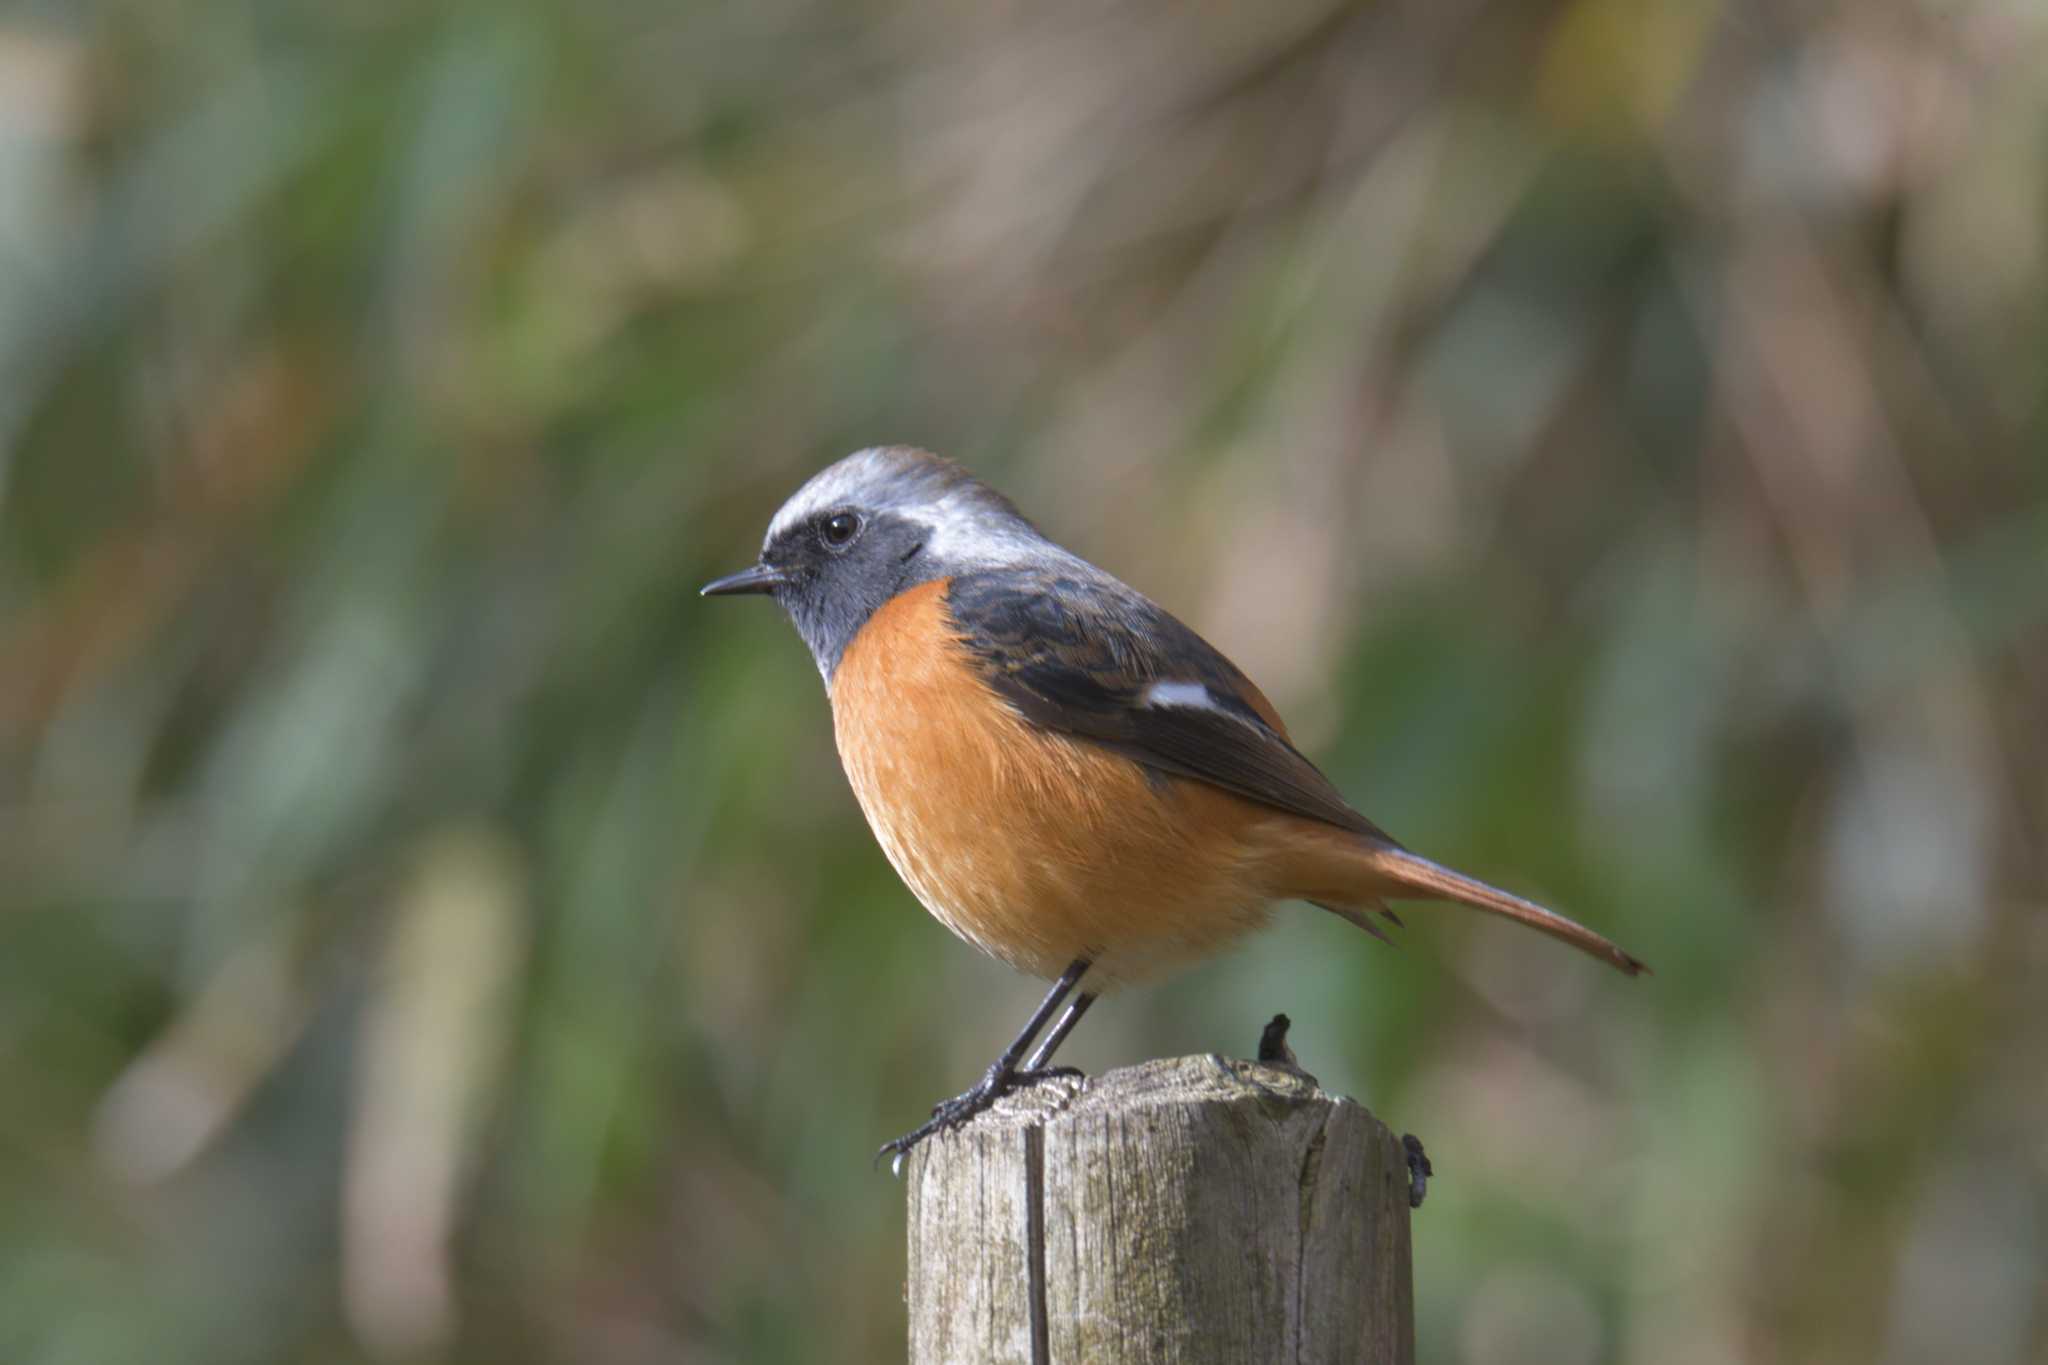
1351	876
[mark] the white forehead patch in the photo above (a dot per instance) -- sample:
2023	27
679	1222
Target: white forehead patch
966	524
856	479
1167	692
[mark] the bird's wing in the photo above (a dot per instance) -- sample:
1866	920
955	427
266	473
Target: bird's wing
1085	655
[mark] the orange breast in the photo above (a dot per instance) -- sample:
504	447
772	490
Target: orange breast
1035	847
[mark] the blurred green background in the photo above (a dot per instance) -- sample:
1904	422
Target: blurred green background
1613	433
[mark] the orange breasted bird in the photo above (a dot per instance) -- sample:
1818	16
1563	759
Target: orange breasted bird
1065	775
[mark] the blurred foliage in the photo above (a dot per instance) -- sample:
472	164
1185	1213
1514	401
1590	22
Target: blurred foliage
1613	433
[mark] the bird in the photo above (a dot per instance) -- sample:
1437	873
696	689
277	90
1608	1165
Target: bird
1064	774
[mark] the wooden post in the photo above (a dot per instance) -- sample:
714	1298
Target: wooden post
1195	1211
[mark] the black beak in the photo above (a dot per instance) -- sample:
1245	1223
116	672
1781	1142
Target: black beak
760	578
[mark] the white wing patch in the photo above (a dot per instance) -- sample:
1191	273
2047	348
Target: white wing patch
1167	692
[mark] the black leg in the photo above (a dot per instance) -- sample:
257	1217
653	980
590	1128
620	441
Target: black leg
1003	1073
1069	978
1043	1054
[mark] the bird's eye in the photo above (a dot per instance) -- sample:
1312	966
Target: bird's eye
840	529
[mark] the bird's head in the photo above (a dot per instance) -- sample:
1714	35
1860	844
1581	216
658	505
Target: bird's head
876	523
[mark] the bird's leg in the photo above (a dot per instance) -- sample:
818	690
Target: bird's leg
1035	1068
1003	1074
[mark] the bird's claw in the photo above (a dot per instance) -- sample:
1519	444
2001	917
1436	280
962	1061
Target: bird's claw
1025	1079
953	1113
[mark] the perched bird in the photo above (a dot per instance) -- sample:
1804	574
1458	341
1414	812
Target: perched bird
1064	774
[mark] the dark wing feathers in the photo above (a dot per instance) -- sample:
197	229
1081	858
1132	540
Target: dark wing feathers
1075	653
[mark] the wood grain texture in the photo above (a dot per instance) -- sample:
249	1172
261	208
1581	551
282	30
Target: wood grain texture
1187	1212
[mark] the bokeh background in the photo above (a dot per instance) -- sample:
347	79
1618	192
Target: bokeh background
1612	431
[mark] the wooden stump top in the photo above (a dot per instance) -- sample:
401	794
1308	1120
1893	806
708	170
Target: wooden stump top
1195	1210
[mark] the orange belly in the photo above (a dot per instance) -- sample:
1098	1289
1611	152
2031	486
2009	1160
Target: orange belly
1036	848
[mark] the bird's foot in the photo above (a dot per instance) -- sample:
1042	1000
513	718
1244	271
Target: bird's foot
952	1113
1024	1080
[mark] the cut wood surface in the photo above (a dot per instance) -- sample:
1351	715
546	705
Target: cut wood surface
1199	1210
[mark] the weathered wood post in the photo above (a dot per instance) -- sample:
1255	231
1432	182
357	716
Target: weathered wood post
1199	1211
